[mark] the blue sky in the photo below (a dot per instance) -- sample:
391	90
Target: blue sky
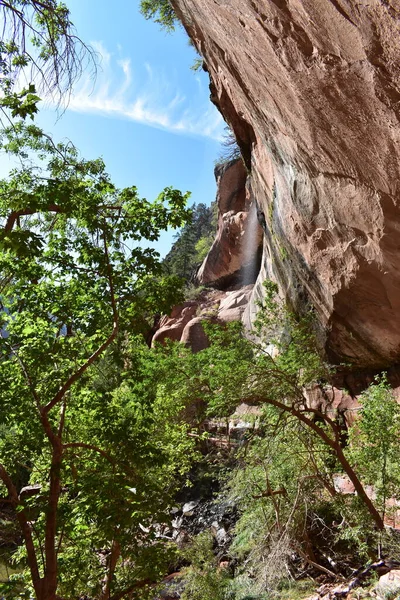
147	114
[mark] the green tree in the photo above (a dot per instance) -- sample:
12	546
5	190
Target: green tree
283	479
180	258
76	281
374	441
82	422
204	580
192	242
161	12
234	370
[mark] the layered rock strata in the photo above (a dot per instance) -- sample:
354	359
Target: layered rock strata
311	90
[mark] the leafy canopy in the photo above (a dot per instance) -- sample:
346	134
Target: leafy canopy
161	12
80	417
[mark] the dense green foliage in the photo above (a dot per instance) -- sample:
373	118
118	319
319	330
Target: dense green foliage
204	580
374	442
282	482
101	446
81	422
161	12
192	243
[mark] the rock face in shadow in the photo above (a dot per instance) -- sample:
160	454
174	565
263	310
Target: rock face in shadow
311	90
235	254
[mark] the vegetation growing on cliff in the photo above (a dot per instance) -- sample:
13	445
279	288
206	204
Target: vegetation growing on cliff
161	12
292	518
230	150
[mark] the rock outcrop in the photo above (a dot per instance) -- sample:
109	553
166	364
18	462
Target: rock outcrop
184	324
388	585
311	89
235	255
230	268
172	326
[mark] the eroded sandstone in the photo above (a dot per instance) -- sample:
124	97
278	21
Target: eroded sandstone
184	324
311	90
235	254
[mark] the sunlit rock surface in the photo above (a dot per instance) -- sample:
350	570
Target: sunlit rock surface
171	326
184	324
235	254
311	90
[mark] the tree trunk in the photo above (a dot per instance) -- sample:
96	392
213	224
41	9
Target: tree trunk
359	488
112	563
334	444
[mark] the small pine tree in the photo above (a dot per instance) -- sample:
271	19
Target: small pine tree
185	256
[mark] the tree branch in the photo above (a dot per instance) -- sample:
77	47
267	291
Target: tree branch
132	588
76	376
62	419
90	447
334	444
316	565
16	214
25	527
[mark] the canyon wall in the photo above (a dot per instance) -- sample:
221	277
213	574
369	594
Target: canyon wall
311	90
234	258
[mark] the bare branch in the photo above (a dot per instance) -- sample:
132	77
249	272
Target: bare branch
316	565
62	56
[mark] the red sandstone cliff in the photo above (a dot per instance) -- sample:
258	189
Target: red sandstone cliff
231	266
234	256
311	89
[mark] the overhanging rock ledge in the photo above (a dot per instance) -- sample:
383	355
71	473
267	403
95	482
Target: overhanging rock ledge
311	90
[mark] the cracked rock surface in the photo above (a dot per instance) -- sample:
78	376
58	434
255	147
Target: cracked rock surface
311	89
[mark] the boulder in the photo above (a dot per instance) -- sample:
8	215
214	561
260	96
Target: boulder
29	491
188	509
388	585
233	305
184	324
219	533
343	485
194	336
172	326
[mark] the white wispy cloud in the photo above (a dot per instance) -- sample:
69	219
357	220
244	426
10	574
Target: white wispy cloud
148	97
